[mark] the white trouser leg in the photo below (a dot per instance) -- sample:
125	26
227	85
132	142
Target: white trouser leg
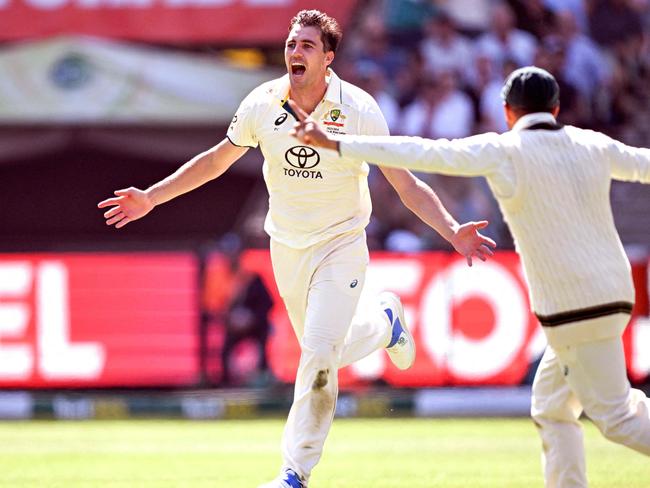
292	271
596	373
555	410
370	330
321	288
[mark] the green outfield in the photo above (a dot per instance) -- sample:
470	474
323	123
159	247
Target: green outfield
389	453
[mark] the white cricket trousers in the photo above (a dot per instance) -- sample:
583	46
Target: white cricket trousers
320	287
589	377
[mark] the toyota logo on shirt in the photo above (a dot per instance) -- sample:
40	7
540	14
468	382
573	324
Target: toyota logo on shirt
302	157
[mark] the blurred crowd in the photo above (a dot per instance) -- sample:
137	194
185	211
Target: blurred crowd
436	69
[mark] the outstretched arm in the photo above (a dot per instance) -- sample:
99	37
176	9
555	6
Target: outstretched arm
418	197
629	163
479	155
132	203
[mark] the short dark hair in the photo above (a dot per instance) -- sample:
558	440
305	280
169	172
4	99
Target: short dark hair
330	29
531	89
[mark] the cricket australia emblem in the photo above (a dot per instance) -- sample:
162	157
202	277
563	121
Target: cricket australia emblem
334	120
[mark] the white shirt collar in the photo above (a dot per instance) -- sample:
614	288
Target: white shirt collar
334	92
280	89
529	120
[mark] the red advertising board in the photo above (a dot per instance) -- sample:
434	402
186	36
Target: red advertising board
472	326
98	320
243	22
132	319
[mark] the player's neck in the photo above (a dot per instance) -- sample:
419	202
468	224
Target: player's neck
308	97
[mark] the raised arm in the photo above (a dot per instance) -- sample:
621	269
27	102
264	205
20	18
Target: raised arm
629	163
132	203
420	199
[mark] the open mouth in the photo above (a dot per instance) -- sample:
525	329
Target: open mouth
298	69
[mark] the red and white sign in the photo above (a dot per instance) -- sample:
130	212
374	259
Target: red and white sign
240	22
107	320
472	326
98	320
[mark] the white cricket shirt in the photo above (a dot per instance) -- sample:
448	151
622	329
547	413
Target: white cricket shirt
314	194
552	184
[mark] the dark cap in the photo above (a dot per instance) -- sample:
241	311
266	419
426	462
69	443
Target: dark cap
532	89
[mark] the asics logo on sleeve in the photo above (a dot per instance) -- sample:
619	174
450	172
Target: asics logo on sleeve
233	122
280	120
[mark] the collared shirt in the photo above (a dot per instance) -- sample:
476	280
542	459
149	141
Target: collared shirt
553	190
313	194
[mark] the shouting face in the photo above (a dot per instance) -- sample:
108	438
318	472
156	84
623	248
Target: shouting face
305	56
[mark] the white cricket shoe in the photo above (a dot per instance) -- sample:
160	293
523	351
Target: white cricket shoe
401	348
288	479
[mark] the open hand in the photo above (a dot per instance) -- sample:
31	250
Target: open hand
468	241
128	205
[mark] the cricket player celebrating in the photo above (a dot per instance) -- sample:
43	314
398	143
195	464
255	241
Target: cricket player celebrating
319	206
552	184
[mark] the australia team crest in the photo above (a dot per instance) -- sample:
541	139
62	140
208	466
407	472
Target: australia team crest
334	120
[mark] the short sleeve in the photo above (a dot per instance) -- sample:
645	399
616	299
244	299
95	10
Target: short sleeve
373	121
241	131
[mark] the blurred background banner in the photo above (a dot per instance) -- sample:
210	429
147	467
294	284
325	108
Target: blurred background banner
98	320
153	319
248	22
83	79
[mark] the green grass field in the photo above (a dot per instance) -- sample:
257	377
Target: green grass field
379	453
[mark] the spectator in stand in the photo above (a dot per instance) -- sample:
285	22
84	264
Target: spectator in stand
613	22
585	65
444	48
405	19
235	305
481	73
490	104
440	110
246	320
577	7
619	30
375	47
407	81
471	16
534	16
371	78
552	57
355	41
503	41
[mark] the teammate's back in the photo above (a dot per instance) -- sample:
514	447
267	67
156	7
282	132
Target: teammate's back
561	218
